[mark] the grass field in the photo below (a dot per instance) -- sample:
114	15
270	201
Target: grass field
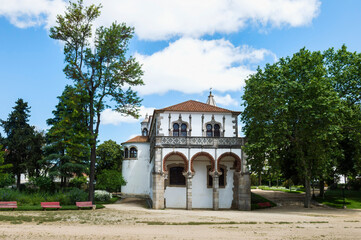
294	189
333	198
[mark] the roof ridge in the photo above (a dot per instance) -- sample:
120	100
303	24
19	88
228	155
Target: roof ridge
194	106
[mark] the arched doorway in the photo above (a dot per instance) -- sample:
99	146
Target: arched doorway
228	163
202	193
175	164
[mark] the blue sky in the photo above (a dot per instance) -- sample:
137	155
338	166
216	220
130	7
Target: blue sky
185	47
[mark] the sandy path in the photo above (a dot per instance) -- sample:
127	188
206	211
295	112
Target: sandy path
130	220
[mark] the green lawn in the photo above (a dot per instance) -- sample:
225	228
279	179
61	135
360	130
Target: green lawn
294	189
333	198
255	199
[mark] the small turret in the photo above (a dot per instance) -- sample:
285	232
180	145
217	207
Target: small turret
210	99
144	126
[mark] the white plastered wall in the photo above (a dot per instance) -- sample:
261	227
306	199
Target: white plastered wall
137	172
197	122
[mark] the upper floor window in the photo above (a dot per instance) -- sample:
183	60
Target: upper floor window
209	130
133	152
176	129
145	132
184	130
217	132
126	153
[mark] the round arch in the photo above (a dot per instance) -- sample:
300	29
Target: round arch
205	154
230	154
178	154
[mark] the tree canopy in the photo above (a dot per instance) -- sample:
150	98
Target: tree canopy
23	144
109	156
292	112
100	66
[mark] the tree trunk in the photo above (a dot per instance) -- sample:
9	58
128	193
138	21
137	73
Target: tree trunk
322	189
92	172
308	192
61	182
92	145
18	178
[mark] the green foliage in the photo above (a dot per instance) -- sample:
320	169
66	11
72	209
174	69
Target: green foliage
344	70
355	184
110	180
104	71
6	179
43	183
34	199
109	156
76	195
23	143
68	138
78	182
292	113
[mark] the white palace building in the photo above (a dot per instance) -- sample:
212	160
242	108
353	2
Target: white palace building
189	156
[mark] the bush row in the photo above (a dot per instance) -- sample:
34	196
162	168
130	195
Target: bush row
67	198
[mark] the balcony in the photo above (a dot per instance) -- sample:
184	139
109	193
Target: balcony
196	142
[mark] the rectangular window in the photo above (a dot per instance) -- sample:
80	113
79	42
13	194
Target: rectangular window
176	176
221	179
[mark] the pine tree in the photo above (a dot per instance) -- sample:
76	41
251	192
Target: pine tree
68	138
19	138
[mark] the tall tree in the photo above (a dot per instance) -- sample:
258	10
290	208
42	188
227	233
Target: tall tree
103	69
67	152
292	106
109	156
34	163
344	70
19	138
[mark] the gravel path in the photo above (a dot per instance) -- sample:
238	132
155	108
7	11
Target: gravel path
129	219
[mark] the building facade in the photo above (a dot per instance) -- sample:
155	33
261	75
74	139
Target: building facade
189	156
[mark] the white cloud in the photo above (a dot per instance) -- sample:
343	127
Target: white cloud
226	100
109	116
29	13
193	66
163	19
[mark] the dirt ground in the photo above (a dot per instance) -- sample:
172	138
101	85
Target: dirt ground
131	220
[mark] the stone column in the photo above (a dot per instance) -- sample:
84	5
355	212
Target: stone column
215	175
244	191
189	177
158	190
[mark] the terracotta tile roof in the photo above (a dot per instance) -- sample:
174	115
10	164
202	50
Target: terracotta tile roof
138	139
195	106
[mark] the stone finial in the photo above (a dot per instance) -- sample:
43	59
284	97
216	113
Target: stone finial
210	99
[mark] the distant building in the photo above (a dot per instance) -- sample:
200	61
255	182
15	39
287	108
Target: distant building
189	156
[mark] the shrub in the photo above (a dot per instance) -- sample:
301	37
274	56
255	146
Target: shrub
102	196
6	179
9	195
110	180
44	183
76	195
79	182
355	184
288	183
